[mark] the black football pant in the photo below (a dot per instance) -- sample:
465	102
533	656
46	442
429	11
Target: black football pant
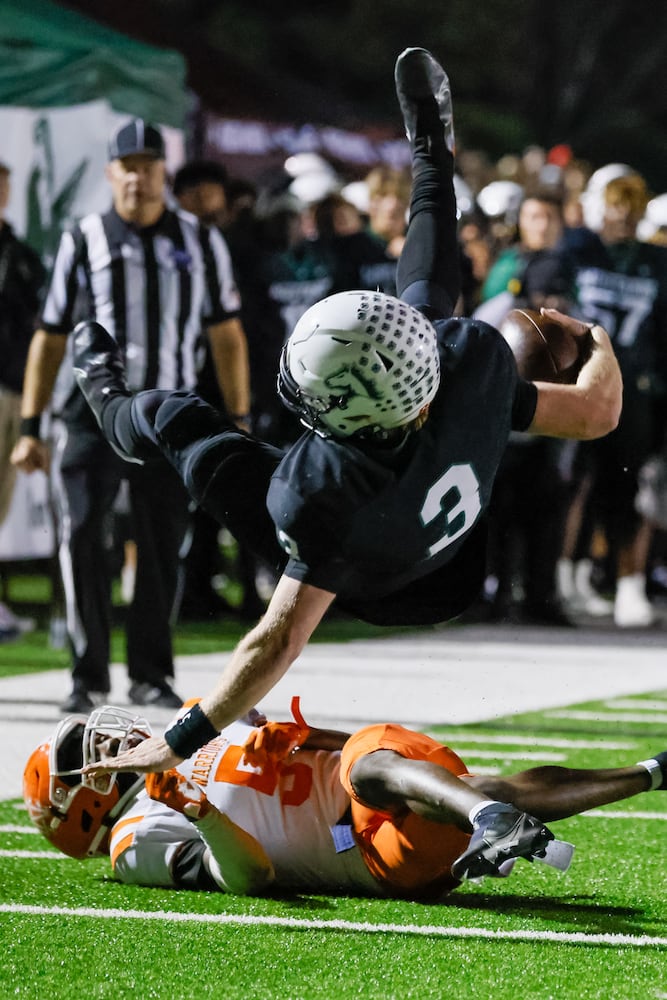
428	274
86	476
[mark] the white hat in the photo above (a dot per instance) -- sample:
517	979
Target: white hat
592	198
655	217
500	198
357	194
307	163
314	185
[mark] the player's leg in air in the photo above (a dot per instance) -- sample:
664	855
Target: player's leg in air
428	273
225	470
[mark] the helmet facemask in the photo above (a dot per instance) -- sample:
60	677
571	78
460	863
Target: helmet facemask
74	811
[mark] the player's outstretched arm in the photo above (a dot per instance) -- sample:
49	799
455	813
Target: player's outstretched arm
256	665
267	651
592	406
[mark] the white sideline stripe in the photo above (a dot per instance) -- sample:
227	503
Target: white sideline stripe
40	855
608	716
619	814
18	828
459	740
473	754
641	704
293	923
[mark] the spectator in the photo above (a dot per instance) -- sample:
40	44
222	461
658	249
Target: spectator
155	280
629	295
200	187
21	279
388	202
529	497
528	521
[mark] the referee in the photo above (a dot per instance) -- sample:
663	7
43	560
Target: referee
156	280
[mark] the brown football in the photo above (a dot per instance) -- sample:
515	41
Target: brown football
544	351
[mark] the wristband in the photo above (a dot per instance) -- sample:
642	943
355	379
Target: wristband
29	426
190	732
654	772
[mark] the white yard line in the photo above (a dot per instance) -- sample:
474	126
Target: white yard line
351	926
583	715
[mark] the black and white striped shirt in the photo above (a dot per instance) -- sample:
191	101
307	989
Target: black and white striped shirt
154	289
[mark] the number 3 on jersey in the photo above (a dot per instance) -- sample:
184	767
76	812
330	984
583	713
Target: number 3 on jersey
456	495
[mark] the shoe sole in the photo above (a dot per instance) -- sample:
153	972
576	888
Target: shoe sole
418	76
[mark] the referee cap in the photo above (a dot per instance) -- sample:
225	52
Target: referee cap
136	137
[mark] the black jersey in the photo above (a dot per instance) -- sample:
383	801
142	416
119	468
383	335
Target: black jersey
365	523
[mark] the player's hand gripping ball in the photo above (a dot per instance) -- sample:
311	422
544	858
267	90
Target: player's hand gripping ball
543	349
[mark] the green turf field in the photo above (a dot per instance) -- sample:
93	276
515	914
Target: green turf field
68	930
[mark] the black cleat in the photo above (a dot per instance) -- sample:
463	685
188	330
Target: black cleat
501	833
81	701
162	696
424	96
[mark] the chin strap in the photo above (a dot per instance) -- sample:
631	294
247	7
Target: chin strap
113	814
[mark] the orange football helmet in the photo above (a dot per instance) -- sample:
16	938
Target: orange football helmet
75	813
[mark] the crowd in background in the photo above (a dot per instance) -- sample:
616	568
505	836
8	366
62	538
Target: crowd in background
576	530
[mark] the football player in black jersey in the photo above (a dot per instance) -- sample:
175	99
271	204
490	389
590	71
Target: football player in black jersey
380	504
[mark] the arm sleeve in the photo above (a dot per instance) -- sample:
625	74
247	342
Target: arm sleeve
235	860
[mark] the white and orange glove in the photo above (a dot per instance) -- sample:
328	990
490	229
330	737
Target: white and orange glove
275	741
179	793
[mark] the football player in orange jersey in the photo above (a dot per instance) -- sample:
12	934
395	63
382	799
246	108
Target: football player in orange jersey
385	812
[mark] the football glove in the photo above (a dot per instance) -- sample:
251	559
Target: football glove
275	741
178	792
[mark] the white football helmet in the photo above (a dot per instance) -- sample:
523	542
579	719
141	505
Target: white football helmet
359	362
73	811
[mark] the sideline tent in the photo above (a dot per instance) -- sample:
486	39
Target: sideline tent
65	82
54	57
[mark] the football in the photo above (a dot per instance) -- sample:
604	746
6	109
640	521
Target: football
544	351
